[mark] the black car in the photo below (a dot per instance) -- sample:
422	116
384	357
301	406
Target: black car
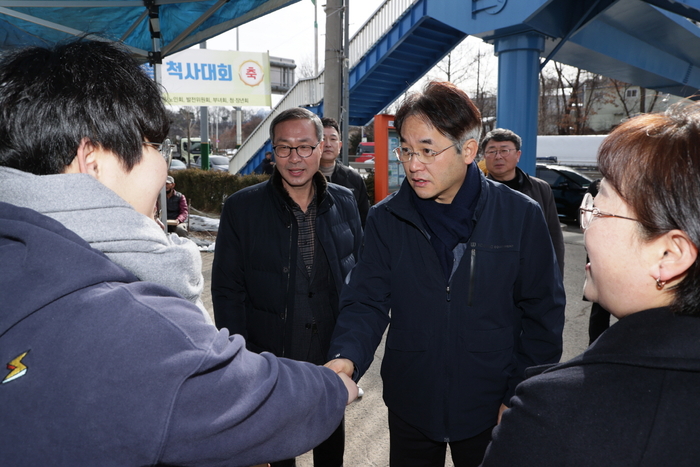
568	187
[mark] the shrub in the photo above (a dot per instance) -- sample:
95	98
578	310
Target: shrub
206	190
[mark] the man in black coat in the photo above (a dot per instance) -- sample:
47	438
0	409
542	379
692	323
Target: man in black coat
501	149
336	172
283	250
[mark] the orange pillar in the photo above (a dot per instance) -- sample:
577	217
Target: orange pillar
382	123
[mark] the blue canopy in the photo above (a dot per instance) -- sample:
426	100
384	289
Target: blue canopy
150	28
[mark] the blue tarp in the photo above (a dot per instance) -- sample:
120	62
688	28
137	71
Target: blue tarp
182	23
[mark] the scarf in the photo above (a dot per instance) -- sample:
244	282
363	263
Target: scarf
450	224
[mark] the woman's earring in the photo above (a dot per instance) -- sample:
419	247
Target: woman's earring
660	284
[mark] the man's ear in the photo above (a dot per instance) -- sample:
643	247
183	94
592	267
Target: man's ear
469	150
85	160
676	253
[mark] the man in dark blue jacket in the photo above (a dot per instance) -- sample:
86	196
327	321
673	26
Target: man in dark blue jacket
467	269
283	250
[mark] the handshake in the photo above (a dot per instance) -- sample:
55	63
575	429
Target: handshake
344	368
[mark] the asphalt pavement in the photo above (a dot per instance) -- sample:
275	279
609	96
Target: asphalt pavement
367	433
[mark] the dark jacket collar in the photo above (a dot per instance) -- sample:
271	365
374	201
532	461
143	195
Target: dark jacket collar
399	203
655	338
519	173
284	202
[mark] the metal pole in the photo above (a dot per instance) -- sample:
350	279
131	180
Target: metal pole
239	132
315	39
345	125
204	130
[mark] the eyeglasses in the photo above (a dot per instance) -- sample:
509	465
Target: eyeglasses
165	149
425	156
588	212
500	152
304	150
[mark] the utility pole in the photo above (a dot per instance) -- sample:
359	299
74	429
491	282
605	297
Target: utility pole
315	38
345	114
333	60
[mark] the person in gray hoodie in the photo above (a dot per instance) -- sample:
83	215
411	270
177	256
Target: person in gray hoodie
103	368
68	151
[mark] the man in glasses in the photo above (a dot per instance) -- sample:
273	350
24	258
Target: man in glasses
100	368
463	272
283	250
501	149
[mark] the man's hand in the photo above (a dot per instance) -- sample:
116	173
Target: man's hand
350	386
341	365
500	413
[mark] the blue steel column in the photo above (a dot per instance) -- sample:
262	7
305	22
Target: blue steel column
518	90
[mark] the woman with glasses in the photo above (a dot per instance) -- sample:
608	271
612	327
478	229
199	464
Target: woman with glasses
631	398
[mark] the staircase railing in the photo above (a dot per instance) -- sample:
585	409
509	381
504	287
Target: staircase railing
310	91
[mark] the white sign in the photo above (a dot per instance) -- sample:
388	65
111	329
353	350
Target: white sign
203	77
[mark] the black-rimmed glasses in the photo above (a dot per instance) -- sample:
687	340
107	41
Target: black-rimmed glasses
303	150
588	212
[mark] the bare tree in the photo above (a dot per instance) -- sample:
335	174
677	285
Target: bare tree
305	69
569	96
630	101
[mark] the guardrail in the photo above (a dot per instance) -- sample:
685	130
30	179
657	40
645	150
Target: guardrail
376	27
310	91
304	92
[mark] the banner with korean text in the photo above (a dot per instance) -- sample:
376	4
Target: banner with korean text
203	77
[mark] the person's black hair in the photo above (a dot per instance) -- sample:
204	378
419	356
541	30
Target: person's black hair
53	98
500	135
297	113
446	108
329	122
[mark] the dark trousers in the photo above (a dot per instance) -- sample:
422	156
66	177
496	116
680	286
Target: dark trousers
408	447
327	454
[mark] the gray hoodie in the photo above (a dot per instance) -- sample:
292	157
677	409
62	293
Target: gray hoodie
112	226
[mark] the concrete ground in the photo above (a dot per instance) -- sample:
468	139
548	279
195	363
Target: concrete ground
367	434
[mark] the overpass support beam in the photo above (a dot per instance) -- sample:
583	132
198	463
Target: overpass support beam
518	90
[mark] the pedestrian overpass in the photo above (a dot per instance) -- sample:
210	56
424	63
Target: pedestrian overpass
650	43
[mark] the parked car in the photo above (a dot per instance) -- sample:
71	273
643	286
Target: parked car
365	152
215	163
177	164
568	187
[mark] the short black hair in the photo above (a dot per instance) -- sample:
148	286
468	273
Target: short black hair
329	122
297	113
53	98
446	108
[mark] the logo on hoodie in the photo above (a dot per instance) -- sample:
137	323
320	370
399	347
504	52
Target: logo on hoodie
16	367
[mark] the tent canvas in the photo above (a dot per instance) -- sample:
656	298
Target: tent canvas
150	28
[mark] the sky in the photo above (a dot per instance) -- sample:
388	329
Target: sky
289	31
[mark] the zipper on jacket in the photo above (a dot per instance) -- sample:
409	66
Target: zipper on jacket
289	273
472	267
448	293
